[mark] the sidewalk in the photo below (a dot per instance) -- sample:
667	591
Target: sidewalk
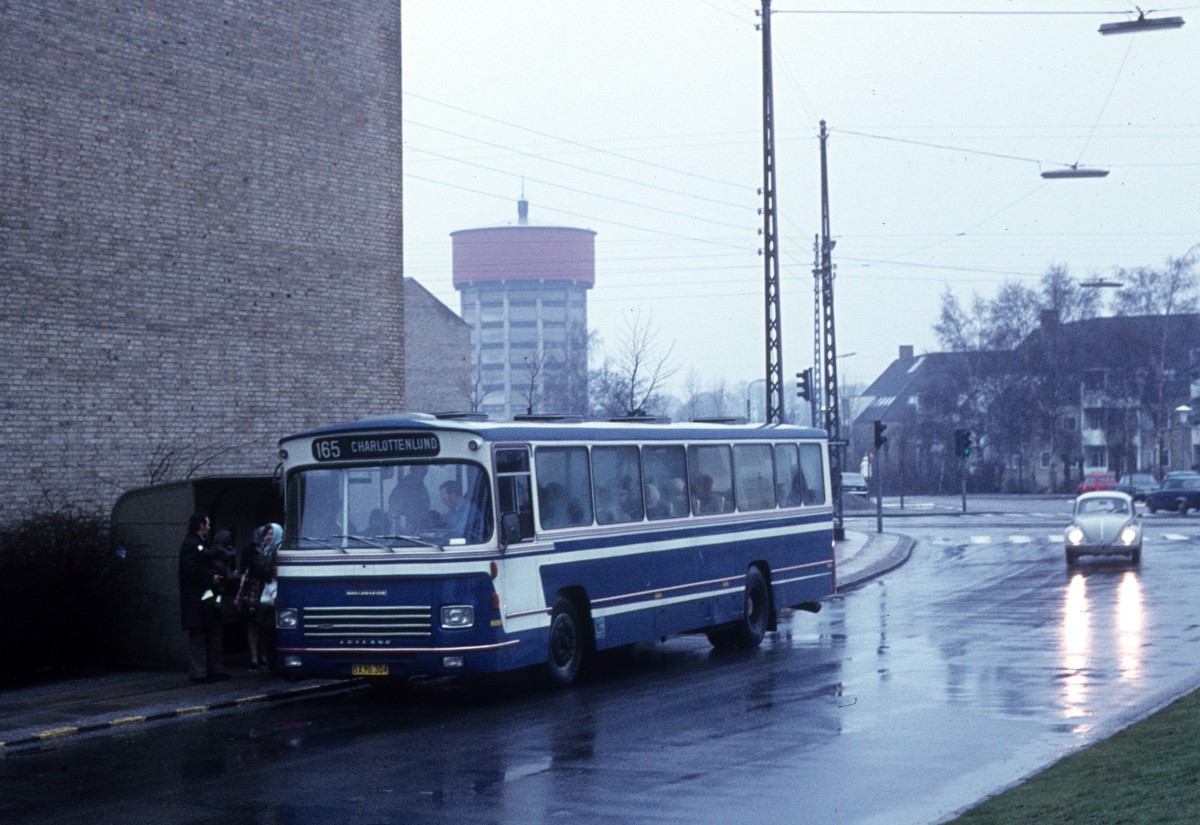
45	713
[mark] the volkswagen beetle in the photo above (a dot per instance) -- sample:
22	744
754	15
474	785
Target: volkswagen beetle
1104	523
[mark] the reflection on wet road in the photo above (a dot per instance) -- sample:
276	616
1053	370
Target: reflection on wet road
906	700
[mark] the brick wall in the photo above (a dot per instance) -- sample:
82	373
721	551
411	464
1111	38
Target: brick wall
438	346
200	236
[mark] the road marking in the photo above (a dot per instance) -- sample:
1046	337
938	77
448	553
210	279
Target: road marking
1174	537
1020	539
57	732
981	539
191	711
127	720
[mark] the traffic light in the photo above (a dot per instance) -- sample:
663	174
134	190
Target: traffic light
962	443
804	384
880	438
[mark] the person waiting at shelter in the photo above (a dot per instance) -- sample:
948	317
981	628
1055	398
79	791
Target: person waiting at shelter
202	573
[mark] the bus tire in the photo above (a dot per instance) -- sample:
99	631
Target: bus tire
565	648
756	611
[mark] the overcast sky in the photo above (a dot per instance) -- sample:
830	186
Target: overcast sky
642	120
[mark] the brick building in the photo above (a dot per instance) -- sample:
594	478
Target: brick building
437	370
200	236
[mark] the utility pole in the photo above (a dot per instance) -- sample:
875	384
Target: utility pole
829	351
815	401
770	252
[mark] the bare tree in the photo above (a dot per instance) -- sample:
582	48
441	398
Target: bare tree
632	381
1163	293
474	385
1064	295
693	392
532	392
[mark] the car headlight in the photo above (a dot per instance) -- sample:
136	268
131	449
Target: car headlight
1129	535
1075	535
287	618
457	616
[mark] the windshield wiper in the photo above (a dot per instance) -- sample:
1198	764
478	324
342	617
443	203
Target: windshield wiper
323	542
414	540
364	539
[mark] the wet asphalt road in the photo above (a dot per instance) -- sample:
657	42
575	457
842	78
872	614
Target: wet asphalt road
976	664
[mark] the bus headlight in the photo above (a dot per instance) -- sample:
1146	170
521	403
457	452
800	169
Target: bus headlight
1074	535
457	616
287	618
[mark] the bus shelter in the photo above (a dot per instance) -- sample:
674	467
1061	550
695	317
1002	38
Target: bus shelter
148	525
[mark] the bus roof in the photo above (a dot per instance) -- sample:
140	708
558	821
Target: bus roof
631	430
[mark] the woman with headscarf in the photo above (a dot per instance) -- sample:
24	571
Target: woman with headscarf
259	574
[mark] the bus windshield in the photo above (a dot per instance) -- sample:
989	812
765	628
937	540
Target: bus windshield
431	505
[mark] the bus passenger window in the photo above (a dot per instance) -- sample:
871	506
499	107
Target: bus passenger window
811	478
787	476
711	474
666	475
754	477
617	480
564	496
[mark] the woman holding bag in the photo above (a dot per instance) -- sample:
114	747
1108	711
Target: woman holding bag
259	569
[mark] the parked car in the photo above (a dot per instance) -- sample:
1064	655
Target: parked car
854	483
1097	481
1104	523
1137	485
1177	492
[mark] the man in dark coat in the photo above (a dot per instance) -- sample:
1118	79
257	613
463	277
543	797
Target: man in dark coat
200	579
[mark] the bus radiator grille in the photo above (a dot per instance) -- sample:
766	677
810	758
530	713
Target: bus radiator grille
359	625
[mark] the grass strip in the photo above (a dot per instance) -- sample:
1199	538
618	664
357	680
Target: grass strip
1147	773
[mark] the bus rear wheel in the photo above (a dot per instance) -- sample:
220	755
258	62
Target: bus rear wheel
565	649
756	611
748	631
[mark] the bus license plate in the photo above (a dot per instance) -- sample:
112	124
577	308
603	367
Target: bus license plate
368	670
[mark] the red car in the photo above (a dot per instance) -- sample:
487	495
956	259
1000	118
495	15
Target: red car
1097	481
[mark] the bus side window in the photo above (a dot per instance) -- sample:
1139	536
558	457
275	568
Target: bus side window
564	487
710	470
512	482
812	474
787	476
665	471
617	480
754	477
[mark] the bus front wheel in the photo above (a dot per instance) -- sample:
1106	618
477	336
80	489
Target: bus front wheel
565	653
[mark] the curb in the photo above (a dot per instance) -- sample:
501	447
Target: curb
223	703
895	557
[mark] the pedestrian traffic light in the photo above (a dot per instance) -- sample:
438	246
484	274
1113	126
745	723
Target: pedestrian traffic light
880	438
962	443
804	384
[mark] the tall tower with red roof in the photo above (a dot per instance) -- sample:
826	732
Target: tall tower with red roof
524	295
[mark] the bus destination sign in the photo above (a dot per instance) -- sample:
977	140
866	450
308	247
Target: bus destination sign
370	447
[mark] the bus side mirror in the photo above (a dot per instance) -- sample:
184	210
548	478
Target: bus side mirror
510	529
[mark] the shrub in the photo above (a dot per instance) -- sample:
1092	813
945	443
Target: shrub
57	576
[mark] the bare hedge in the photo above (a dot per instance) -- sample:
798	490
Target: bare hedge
58	582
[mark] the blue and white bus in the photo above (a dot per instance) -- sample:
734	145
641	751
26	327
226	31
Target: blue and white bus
422	545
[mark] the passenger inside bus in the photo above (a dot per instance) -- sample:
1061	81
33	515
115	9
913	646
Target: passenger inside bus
463	519
408	504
